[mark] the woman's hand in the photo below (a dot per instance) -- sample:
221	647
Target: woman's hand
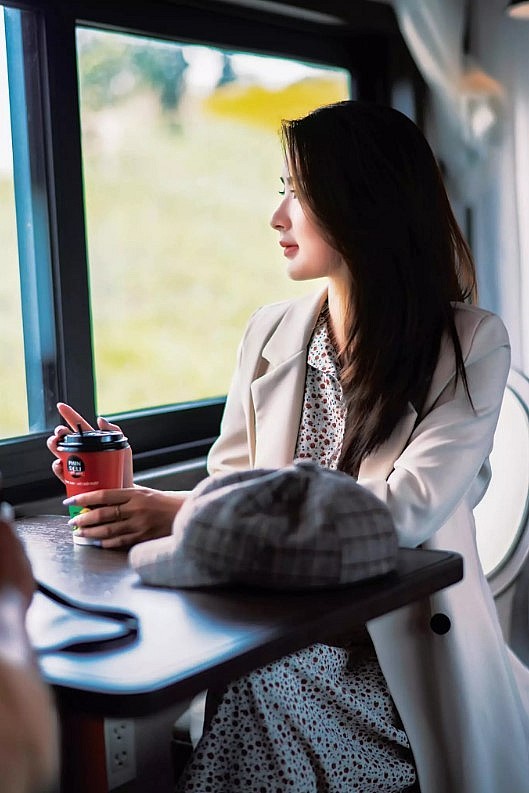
121	518
73	419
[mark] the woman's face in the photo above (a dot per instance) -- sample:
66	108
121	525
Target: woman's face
307	253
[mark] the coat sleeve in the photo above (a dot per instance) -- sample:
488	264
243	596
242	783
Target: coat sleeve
443	461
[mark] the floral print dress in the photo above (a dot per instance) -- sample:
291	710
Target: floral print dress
320	720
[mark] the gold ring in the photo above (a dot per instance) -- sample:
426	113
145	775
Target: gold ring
118	511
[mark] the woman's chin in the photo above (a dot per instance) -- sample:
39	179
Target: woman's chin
299	272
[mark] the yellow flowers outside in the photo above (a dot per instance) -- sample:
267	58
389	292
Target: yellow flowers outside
265	108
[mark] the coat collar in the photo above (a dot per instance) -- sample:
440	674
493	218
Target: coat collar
293	332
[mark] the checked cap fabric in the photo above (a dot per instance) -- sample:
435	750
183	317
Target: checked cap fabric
298	527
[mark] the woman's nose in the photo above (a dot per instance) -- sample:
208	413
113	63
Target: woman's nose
279	219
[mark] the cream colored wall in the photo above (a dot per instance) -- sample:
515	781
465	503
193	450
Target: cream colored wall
501	230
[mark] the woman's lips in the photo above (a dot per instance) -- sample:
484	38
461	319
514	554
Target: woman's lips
289	249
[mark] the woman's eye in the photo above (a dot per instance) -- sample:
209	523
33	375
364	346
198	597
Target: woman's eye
283	189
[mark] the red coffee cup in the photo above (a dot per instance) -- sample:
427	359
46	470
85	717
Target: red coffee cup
92	460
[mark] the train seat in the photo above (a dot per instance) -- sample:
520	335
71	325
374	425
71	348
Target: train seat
502	517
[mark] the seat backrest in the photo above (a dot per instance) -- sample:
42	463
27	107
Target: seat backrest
502	517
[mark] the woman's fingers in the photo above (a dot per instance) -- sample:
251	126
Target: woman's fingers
73	418
51	442
100	498
58	433
102	511
105	424
121	518
56	467
111	532
102	517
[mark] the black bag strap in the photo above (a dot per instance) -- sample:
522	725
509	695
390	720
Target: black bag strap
127	621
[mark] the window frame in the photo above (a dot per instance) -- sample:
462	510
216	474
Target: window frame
178	432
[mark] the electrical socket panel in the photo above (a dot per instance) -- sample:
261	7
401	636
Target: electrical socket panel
120	752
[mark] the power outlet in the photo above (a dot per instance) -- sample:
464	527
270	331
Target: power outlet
120	752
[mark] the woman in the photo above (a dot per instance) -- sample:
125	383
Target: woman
388	374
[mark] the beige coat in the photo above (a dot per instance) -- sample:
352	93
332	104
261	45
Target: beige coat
462	696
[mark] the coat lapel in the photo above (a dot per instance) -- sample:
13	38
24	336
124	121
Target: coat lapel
277	395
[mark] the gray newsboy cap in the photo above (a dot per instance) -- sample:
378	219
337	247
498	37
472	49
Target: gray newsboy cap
297	527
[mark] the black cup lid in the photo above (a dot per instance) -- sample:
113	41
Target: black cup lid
93	440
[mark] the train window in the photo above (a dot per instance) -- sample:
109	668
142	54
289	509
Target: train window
13	417
181	165
27	357
139	165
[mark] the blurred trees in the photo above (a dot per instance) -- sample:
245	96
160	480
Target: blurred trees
111	68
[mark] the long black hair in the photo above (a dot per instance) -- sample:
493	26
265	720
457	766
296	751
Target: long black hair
369	179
